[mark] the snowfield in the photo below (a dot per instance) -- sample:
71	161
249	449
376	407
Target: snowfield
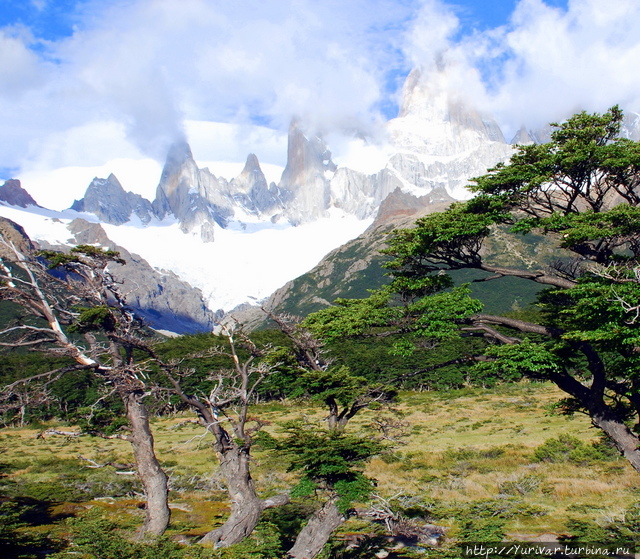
246	262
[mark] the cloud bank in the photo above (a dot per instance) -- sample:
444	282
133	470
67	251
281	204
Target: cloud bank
129	76
543	64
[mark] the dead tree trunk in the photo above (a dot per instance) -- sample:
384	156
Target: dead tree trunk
313	537
151	474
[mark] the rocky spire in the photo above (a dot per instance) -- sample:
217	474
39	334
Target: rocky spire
440	138
107	199
251	191
13	194
190	194
522	137
305	179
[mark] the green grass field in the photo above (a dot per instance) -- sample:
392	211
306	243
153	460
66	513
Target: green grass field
459	449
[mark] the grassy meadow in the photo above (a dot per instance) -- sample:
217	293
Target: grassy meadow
456	452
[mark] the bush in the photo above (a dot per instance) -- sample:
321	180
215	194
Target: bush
72	483
621	533
521	485
15	539
567	448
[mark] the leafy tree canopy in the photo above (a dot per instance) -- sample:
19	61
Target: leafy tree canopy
582	192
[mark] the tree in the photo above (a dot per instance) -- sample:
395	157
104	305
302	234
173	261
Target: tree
581	191
85	301
329	458
227	404
330	462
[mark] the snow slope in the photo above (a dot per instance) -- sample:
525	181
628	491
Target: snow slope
247	261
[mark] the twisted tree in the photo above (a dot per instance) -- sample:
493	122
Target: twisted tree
581	192
80	313
224	412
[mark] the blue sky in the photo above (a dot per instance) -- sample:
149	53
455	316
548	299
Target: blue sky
49	20
54	19
87	80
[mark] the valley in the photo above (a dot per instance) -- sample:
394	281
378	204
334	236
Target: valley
462	452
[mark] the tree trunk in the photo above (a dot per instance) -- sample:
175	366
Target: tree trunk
151	474
317	531
246	506
625	440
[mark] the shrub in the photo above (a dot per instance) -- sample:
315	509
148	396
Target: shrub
15	538
521	485
567	448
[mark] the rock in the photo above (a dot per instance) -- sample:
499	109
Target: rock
13	194
194	196
251	191
16	235
522	137
160	298
111	204
305	182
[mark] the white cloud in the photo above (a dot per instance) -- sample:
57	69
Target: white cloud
39	4
563	61
147	66
20	68
430	36
542	65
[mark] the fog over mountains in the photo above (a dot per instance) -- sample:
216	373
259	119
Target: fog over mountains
206	243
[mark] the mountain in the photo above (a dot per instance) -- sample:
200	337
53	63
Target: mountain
251	191
437	143
12	193
111	204
440	139
162	299
194	196
240	239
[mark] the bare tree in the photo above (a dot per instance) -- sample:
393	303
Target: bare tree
224	411
86	300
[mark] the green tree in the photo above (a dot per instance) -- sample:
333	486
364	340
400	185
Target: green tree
330	459
581	191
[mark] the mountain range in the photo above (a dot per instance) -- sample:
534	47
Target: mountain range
206	245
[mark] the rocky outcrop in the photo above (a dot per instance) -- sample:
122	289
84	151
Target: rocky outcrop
193	196
251	192
160	298
111	204
399	206
522	137
14	234
305	181
12	193
440	139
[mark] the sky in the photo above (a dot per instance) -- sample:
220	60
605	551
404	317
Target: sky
84	83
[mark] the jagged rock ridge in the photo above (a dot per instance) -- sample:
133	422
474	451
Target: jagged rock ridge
162	299
13	194
107	199
439	140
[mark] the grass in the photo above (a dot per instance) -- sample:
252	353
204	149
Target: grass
476	444
460	449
